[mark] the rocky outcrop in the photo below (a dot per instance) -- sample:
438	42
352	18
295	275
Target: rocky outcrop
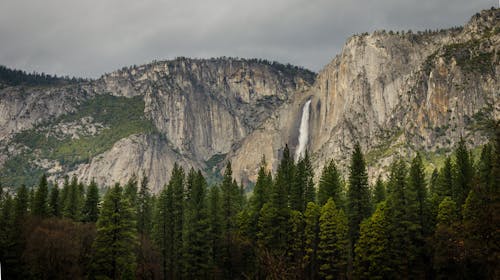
395	93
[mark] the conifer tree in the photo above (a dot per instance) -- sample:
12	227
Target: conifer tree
144	208
21	203
54	206
115	242
215	222
309	189
302	188
463	173
284	180
373	256
31	199
358	194
296	243
90	208
72	208
378	191
330	185
333	245
404	224
163	230
447	253
197	253
311	238
445	180
130	190
41	207
261	193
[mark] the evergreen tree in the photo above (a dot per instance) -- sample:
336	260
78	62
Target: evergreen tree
72	208
31	199
21	203
311	238
463	174
404	228
163	230
378	191
54	206
284	180
373	248
41	207
446	242
130	190
215	222
330	185
144	209
309	189
90	209
302	187
358	194
445	180
196	230
115	242
296	243
260	196
333	242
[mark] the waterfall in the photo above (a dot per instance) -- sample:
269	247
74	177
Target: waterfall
303	131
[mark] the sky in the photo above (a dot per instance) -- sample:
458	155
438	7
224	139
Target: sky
88	38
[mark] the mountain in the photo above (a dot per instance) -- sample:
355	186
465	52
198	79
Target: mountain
140	119
393	92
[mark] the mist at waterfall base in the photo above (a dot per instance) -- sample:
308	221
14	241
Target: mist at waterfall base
303	131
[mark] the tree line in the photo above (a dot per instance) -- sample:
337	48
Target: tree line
405	227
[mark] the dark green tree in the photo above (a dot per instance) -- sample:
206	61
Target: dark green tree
463	173
54	206
144	208
90	208
197	245
330	185
378	191
373	255
115	243
333	244
215	222
261	193
41	205
358	194
311	239
73	201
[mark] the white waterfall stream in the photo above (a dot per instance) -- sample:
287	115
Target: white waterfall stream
303	131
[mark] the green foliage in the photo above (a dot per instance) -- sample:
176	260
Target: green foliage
116	240
302	189
463	173
110	111
330	185
54	206
41	206
373	248
311	239
90	208
144	208
73	200
333	248
378	191
358	194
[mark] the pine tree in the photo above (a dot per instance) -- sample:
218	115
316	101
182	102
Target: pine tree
445	180
296	243
378	191
54	207
196	229
333	242
311	238
31	199
284	180
115	242
215	222
229	205
130	190
72	208
446	242
463	173
163	230
404	224
144	209
330	185
302	188
358	194
261	193
41	207
373	248
90	209
480	221
21	203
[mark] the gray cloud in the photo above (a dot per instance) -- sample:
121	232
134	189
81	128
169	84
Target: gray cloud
88	38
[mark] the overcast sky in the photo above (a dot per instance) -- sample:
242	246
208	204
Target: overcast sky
87	38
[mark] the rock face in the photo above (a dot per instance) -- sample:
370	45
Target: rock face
199	109
394	93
